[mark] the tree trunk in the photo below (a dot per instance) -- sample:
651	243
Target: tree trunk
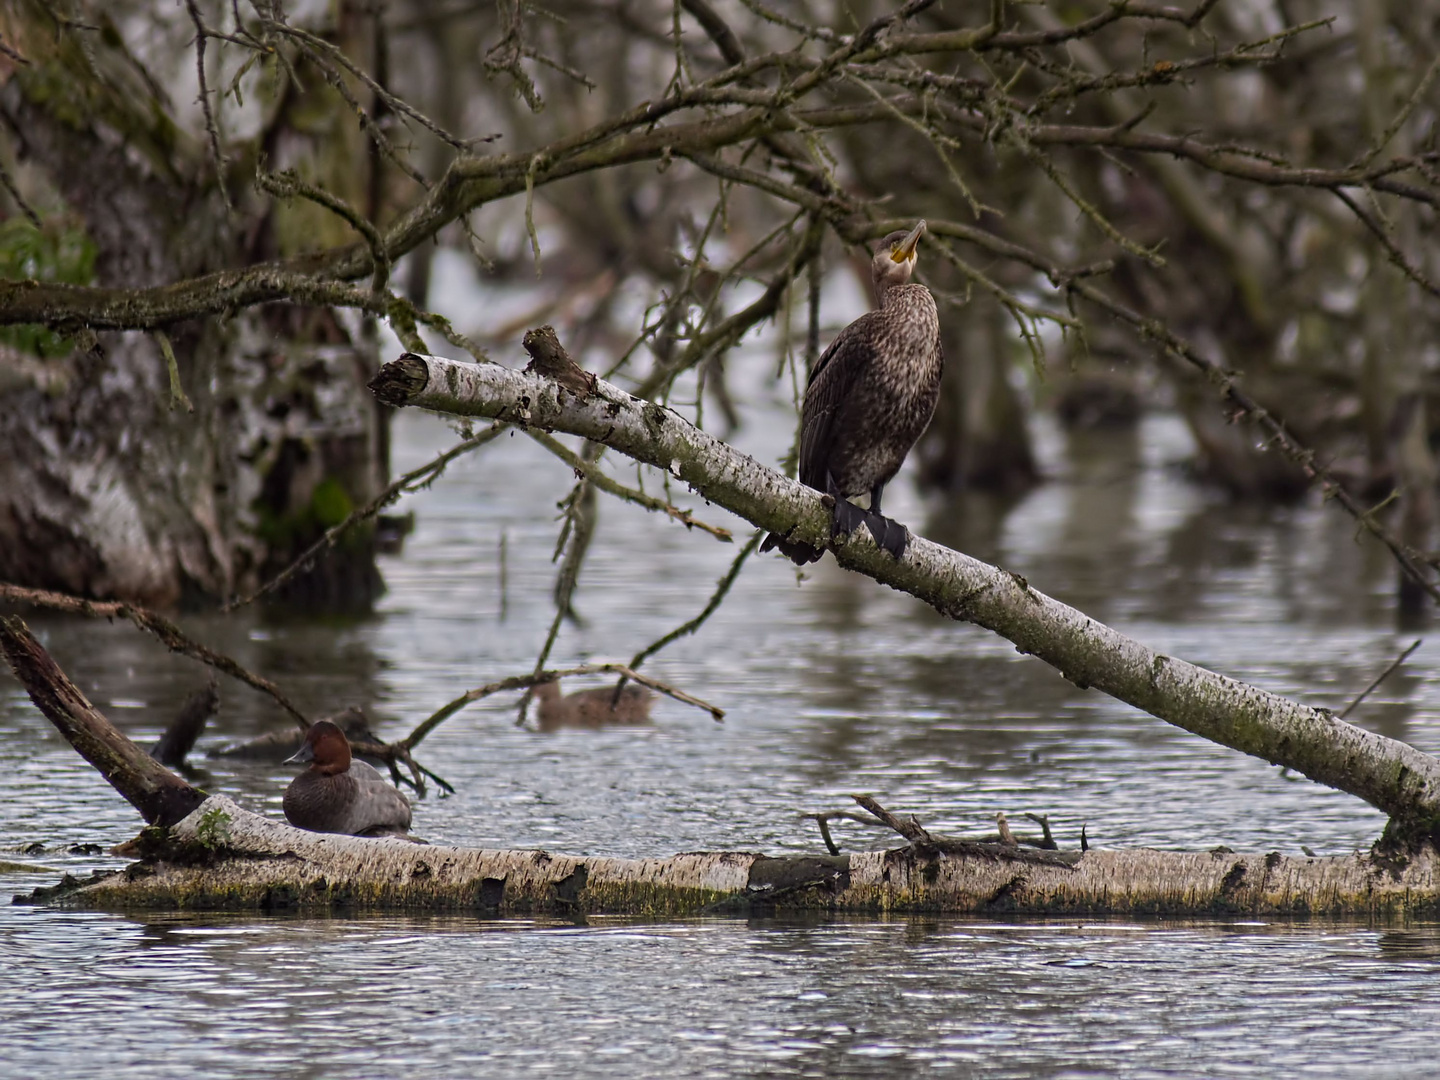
1396	778
110	486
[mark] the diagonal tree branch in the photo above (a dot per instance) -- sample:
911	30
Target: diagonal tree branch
1390	775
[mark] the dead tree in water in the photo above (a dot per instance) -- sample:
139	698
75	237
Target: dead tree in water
209	854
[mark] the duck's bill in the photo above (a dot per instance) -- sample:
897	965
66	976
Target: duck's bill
304	754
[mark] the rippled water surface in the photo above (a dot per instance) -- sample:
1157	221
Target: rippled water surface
831	685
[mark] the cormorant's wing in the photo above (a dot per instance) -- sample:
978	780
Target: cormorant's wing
830	382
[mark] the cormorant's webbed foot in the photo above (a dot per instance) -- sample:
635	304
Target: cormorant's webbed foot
888	533
847	517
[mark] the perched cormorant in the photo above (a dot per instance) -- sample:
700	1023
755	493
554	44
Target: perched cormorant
869	398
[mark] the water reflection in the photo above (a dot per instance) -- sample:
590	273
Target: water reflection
778	998
831	686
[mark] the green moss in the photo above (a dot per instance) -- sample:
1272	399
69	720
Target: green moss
330	504
59	251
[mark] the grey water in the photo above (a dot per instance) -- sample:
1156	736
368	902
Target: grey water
831	685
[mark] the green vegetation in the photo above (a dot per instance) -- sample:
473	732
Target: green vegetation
57	251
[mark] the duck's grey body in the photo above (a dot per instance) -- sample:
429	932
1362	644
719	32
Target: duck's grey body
338	794
358	801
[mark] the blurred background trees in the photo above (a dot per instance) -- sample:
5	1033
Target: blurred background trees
1130	204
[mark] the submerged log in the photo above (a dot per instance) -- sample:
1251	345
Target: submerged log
222	857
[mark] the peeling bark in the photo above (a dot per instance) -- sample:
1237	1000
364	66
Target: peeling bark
1390	775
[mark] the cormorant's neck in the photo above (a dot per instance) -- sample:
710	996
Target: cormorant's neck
886	291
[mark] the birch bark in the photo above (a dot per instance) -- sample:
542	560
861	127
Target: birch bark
1390	775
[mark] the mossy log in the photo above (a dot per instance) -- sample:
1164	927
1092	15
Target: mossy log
1390	775
224	858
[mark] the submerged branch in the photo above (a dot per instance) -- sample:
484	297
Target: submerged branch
161	797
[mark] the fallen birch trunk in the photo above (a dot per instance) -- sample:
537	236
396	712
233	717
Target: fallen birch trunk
216	856
224	858
1390	775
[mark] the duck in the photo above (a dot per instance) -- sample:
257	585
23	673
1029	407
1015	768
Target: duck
592	708
338	795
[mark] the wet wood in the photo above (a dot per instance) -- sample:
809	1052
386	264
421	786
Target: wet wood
161	797
1390	775
225	858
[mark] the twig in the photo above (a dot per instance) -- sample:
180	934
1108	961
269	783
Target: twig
523	682
1006	849
287	184
152	623
823	820
1394	664
415	480
177	391
201	36
1400	117
333	77
722	587
10	186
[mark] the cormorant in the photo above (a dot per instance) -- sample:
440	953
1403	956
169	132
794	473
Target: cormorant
869	398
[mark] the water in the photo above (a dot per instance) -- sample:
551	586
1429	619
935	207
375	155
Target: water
831	685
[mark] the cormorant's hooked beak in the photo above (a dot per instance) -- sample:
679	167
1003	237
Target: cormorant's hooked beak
905	250
304	754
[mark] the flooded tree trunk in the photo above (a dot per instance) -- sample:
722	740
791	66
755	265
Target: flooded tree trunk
210	854
1396	778
979	438
119	479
